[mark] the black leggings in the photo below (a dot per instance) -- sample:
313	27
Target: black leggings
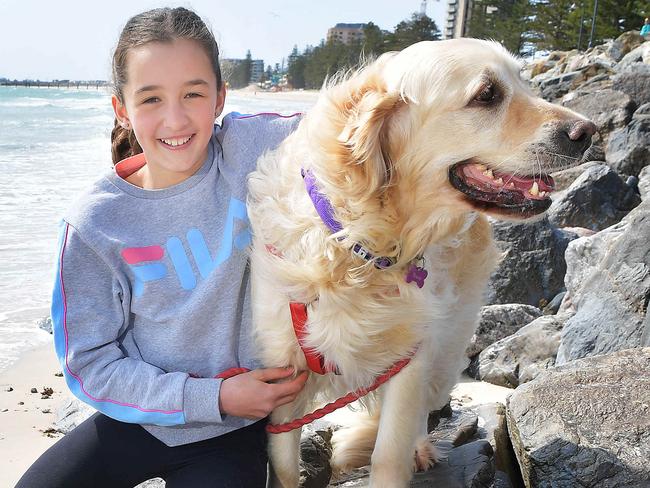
102	452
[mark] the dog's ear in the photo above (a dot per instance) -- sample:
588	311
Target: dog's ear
365	134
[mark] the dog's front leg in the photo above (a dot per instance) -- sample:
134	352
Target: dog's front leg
403	405
284	452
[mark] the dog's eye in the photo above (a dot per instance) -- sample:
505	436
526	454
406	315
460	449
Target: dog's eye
487	95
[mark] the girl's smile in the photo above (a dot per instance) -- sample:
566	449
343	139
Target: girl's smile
171	100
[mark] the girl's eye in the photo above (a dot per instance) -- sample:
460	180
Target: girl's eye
151	100
193	95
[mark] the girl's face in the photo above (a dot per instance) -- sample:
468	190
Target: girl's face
171	101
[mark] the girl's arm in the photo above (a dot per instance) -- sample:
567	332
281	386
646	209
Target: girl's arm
88	318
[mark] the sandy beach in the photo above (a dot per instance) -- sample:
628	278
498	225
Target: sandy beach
26	417
291	95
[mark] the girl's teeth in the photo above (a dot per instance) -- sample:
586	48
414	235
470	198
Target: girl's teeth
176	142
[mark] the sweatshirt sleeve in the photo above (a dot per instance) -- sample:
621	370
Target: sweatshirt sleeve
88	318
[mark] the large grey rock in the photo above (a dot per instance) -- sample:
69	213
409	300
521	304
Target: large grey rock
608	288
563	179
597	199
608	109
499	321
628	149
644	183
556	87
466	466
640	54
625	43
533	264
522	356
586	424
634	79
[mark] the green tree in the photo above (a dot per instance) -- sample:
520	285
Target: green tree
248	67
417	28
506	21
557	22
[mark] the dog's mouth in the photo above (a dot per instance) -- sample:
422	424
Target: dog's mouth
502	193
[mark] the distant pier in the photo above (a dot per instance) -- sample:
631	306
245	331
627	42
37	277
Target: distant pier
97	84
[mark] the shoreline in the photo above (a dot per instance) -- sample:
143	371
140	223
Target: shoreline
23	436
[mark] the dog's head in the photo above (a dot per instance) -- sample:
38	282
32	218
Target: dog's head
450	124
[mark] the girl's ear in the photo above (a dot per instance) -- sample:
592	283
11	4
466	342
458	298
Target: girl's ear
120	112
221	100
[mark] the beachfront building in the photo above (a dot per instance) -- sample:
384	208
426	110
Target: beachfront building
257	70
346	33
458	12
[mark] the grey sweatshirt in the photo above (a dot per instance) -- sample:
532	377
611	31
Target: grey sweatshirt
152	293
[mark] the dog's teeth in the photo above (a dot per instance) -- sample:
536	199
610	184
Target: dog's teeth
511	185
481	167
489	174
543	194
499	181
534	190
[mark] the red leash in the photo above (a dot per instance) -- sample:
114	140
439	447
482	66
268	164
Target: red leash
330	407
341	402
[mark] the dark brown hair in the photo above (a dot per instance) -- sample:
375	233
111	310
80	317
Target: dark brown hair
157	25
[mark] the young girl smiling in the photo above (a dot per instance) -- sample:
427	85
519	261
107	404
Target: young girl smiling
152	296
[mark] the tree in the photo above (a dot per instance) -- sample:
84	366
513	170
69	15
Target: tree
557	22
248	67
418	28
506	21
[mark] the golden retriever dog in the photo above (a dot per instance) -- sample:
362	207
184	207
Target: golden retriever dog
411	154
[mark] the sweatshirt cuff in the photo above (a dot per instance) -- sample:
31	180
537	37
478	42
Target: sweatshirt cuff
201	400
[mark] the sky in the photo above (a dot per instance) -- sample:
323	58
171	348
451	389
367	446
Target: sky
74	39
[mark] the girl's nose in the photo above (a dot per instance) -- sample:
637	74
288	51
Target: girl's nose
176	116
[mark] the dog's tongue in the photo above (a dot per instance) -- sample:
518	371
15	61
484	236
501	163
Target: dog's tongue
532	187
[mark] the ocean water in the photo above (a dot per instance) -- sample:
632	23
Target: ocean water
53	143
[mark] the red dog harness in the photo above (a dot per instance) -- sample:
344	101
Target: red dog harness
315	361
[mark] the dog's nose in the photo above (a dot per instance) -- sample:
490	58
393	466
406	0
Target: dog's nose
581	130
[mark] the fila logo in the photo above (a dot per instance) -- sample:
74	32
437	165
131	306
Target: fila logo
152	270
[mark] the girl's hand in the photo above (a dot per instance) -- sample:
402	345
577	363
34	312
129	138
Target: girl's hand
255	394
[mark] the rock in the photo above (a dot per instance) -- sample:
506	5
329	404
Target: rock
640	54
315	453
45	324
564	178
532	349
541	66
644	183
533	264
608	288
153	483
597	199
608	109
71	413
628	149
585	424
499	321
634	79
554	305
556	87
625	43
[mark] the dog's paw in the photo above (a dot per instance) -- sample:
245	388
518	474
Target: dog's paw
426	455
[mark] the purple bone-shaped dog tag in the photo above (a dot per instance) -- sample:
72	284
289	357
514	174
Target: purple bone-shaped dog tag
417	274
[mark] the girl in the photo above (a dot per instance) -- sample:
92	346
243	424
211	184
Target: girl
152	296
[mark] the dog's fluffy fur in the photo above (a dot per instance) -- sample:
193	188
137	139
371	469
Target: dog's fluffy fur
380	144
